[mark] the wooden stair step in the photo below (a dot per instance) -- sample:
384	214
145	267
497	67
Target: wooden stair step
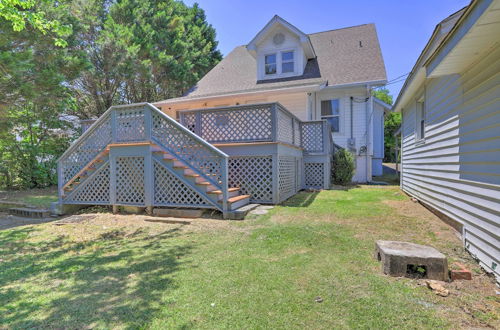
192	175
181	167
218	192
236	198
204	183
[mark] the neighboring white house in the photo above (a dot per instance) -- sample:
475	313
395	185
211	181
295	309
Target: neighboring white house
451	127
326	75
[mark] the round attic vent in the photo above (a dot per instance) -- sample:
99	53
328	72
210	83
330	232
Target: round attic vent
278	38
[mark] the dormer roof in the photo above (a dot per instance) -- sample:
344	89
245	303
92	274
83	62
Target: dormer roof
275	22
343	57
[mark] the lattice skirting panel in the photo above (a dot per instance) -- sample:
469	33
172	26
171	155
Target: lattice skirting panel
287	177
95	190
170	191
130	180
314	175
254	176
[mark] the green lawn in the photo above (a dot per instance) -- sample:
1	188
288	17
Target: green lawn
264	272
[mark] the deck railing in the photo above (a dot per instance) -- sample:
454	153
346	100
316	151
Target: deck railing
142	123
264	122
316	137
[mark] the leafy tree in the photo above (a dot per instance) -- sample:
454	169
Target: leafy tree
392	122
35	95
21	13
143	51
383	94
391	125
116	51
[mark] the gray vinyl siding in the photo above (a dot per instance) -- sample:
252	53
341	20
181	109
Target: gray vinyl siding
456	169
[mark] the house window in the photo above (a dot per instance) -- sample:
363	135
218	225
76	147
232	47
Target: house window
270	62
330	110
421	119
287	63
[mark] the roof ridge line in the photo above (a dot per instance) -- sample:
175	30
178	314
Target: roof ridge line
347	27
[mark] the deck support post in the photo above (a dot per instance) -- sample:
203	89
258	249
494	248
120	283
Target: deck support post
116	209
148	179
275	180
225	183
274	123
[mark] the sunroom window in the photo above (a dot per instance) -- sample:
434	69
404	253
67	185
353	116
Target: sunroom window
270	62
330	110
287	64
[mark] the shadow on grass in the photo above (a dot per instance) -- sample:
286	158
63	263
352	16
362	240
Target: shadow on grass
302	199
112	280
9	221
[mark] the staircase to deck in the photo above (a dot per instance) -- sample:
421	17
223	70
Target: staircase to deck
137	156
218	158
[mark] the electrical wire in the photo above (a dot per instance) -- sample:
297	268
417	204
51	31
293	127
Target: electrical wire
394	81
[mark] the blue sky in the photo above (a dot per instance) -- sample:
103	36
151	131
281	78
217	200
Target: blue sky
403	26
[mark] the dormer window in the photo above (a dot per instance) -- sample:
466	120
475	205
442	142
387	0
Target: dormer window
270	62
279	63
287	64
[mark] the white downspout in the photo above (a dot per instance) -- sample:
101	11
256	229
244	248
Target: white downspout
367	138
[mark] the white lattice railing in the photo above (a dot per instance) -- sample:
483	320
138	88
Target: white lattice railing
201	156
316	137
144	123
263	122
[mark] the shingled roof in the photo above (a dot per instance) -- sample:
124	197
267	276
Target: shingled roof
344	56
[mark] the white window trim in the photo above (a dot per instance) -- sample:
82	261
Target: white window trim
288	61
420	114
279	73
276	55
340	115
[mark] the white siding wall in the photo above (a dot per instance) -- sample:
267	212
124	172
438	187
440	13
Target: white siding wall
297	103
363	172
294	102
457	169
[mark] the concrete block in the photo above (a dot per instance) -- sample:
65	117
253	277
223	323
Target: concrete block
132	209
29	212
240	213
178	213
411	260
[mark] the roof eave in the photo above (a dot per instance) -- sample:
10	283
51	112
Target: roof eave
417	68
304	38
306	88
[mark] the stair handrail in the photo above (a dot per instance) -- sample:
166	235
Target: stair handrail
85	134
224	185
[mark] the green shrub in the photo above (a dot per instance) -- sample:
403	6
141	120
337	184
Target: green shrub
343	167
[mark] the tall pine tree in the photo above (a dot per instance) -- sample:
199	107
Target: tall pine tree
142	50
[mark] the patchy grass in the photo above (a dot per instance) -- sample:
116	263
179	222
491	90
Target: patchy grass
32	197
112	271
